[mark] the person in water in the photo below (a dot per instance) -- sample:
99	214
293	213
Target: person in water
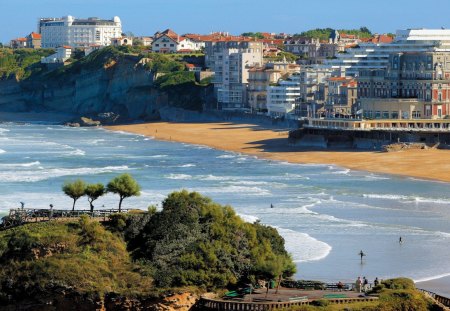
400	240
361	253
271	205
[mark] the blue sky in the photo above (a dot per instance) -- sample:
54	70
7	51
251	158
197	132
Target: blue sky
145	17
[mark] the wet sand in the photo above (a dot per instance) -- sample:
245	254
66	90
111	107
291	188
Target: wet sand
272	144
439	286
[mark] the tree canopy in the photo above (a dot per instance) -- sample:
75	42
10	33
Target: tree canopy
194	241
93	192
324	33
74	190
125	186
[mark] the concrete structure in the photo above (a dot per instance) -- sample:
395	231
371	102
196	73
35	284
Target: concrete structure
62	54
231	61
374	54
260	78
414	85
282	98
77	33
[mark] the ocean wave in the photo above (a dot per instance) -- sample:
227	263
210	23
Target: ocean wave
408	199
157	156
303	247
33	176
2	151
343	172
250	191
226	156
12	165
77	152
187	165
214	178
179	176
432	278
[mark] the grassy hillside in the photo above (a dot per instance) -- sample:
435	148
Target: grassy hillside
21	63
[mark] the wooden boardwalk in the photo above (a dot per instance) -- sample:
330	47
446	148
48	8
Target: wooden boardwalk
22	216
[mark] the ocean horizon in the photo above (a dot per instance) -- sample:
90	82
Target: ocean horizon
326	214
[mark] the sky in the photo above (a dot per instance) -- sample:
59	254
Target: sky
144	17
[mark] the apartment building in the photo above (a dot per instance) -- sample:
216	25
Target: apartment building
342	96
231	61
282	98
78	33
260	78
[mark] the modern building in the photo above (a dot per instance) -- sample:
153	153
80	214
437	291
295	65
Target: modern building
78	33
231	62
260	78
414	85
374	54
62	54
282	98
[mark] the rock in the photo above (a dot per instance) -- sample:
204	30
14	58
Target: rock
72	124
89	122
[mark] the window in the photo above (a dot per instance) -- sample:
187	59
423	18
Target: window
394	114
377	115
385	114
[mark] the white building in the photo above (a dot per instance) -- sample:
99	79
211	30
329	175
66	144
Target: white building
62	54
281	99
169	41
369	55
232	73
79	32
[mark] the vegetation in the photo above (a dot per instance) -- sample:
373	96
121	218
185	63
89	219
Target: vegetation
21	63
256	35
175	78
93	192
74	190
324	33
284	55
125	186
81	257
160	63
194	241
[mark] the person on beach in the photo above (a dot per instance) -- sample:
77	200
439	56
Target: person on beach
358	284
376	282
365	284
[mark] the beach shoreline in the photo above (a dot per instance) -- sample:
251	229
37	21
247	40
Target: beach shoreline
271	144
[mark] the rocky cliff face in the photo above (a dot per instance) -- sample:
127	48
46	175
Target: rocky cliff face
124	87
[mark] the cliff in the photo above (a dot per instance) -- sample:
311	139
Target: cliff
107	81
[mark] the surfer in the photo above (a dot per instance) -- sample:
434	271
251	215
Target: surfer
400	240
271	205
361	254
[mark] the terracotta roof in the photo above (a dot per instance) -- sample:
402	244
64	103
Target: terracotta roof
338	79
66	47
36	36
185	50
21	39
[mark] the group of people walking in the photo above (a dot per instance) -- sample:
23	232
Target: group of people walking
362	285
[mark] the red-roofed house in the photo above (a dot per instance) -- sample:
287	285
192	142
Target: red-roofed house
169	41
18	43
34	40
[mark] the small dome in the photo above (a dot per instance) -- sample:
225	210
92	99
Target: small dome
116	19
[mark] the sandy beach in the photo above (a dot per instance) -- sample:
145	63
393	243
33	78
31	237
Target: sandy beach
272	144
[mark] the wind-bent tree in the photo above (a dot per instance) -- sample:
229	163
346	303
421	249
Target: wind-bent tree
75	190
93	192
125	186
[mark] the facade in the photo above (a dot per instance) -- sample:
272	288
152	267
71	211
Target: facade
231	62
170	42
121	41
342	96
18	43
34	40
62	54
282	98
414	85
78	33
260	78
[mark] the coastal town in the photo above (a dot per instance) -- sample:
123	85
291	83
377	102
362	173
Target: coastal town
352	80
260	170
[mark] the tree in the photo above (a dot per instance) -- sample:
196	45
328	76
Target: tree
93	192
75	190
125	186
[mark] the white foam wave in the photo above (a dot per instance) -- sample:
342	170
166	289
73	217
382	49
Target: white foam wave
250	191
157	156
214	178
248	218
77	152
2	151
12	165
397	197
187	165
303	247
431	278
344	172
179	176
33	176
226	156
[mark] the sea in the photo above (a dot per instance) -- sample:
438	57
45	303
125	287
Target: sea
326	214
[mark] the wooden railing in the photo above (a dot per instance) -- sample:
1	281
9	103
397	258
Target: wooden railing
21	216
223	305
441	299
